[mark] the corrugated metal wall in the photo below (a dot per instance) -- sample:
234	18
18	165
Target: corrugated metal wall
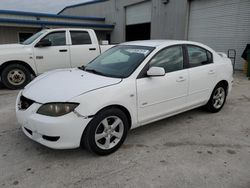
168	21
221	24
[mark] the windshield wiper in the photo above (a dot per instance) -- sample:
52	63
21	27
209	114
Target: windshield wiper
94	71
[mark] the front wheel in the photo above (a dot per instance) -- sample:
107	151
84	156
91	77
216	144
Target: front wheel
217	99
15	76
106	132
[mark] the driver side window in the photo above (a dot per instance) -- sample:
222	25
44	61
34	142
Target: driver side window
56	38
171	59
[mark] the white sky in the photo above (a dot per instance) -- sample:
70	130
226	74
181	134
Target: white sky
45	6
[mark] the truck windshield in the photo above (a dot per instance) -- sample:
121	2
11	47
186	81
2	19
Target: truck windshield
33	38
120	61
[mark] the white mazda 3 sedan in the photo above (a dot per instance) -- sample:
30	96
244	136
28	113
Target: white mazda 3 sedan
130	85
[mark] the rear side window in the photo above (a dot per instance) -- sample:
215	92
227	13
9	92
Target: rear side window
198	56
80	37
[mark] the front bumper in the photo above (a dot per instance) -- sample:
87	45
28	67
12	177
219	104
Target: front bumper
62	132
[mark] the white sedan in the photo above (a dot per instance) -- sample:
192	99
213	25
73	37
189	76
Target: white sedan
128	86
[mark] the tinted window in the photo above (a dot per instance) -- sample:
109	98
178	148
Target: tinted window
171	59
56	38
198	56
80	37
210	57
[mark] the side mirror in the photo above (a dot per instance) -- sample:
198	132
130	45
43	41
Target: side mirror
156	71
43	43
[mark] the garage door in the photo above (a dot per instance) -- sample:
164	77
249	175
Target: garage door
138	13
221	24
138	21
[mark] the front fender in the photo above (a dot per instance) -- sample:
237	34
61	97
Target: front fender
21	56
122	94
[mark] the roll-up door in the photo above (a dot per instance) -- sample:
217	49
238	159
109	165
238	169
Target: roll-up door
221	24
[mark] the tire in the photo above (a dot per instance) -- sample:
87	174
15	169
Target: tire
99	131
15	76
217	98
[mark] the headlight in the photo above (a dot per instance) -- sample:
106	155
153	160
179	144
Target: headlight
56	109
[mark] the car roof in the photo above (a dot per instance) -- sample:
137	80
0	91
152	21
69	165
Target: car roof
63	29
156	43
165	43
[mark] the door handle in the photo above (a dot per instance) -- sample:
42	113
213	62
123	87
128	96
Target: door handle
63	50
180	79
92	49
211	72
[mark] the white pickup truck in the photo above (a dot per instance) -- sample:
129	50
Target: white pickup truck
46	50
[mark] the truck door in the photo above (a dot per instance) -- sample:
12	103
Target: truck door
84	47
53	56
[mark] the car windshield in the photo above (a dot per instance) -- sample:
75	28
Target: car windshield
120	61
33	38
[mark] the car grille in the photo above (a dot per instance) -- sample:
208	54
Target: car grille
25	103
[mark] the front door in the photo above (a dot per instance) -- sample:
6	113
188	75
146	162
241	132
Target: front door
55	56
160	96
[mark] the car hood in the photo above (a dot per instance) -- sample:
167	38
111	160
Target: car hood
65	84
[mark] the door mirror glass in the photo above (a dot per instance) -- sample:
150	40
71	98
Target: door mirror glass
43	43
156	71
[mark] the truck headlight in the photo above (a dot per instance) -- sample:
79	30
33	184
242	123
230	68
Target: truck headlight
56	109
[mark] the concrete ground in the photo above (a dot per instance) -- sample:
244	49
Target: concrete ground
195	149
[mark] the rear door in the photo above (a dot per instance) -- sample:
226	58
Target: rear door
202	74
163	95
83	49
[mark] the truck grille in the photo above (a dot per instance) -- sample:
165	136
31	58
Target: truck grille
25	103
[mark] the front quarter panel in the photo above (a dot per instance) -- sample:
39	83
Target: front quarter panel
123	94
21	54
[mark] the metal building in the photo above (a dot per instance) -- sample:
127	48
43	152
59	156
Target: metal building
221	24
16	26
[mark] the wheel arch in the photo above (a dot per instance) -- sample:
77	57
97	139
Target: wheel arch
17	62
122	108
223	82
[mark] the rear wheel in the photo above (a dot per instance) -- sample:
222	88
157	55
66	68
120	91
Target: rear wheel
15	76
106	132
217	99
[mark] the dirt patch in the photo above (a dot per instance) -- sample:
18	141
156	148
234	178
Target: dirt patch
232	152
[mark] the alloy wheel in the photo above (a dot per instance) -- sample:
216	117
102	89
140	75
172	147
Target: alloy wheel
109	132
219	97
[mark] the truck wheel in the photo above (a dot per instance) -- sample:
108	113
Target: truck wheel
106	132
15	76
